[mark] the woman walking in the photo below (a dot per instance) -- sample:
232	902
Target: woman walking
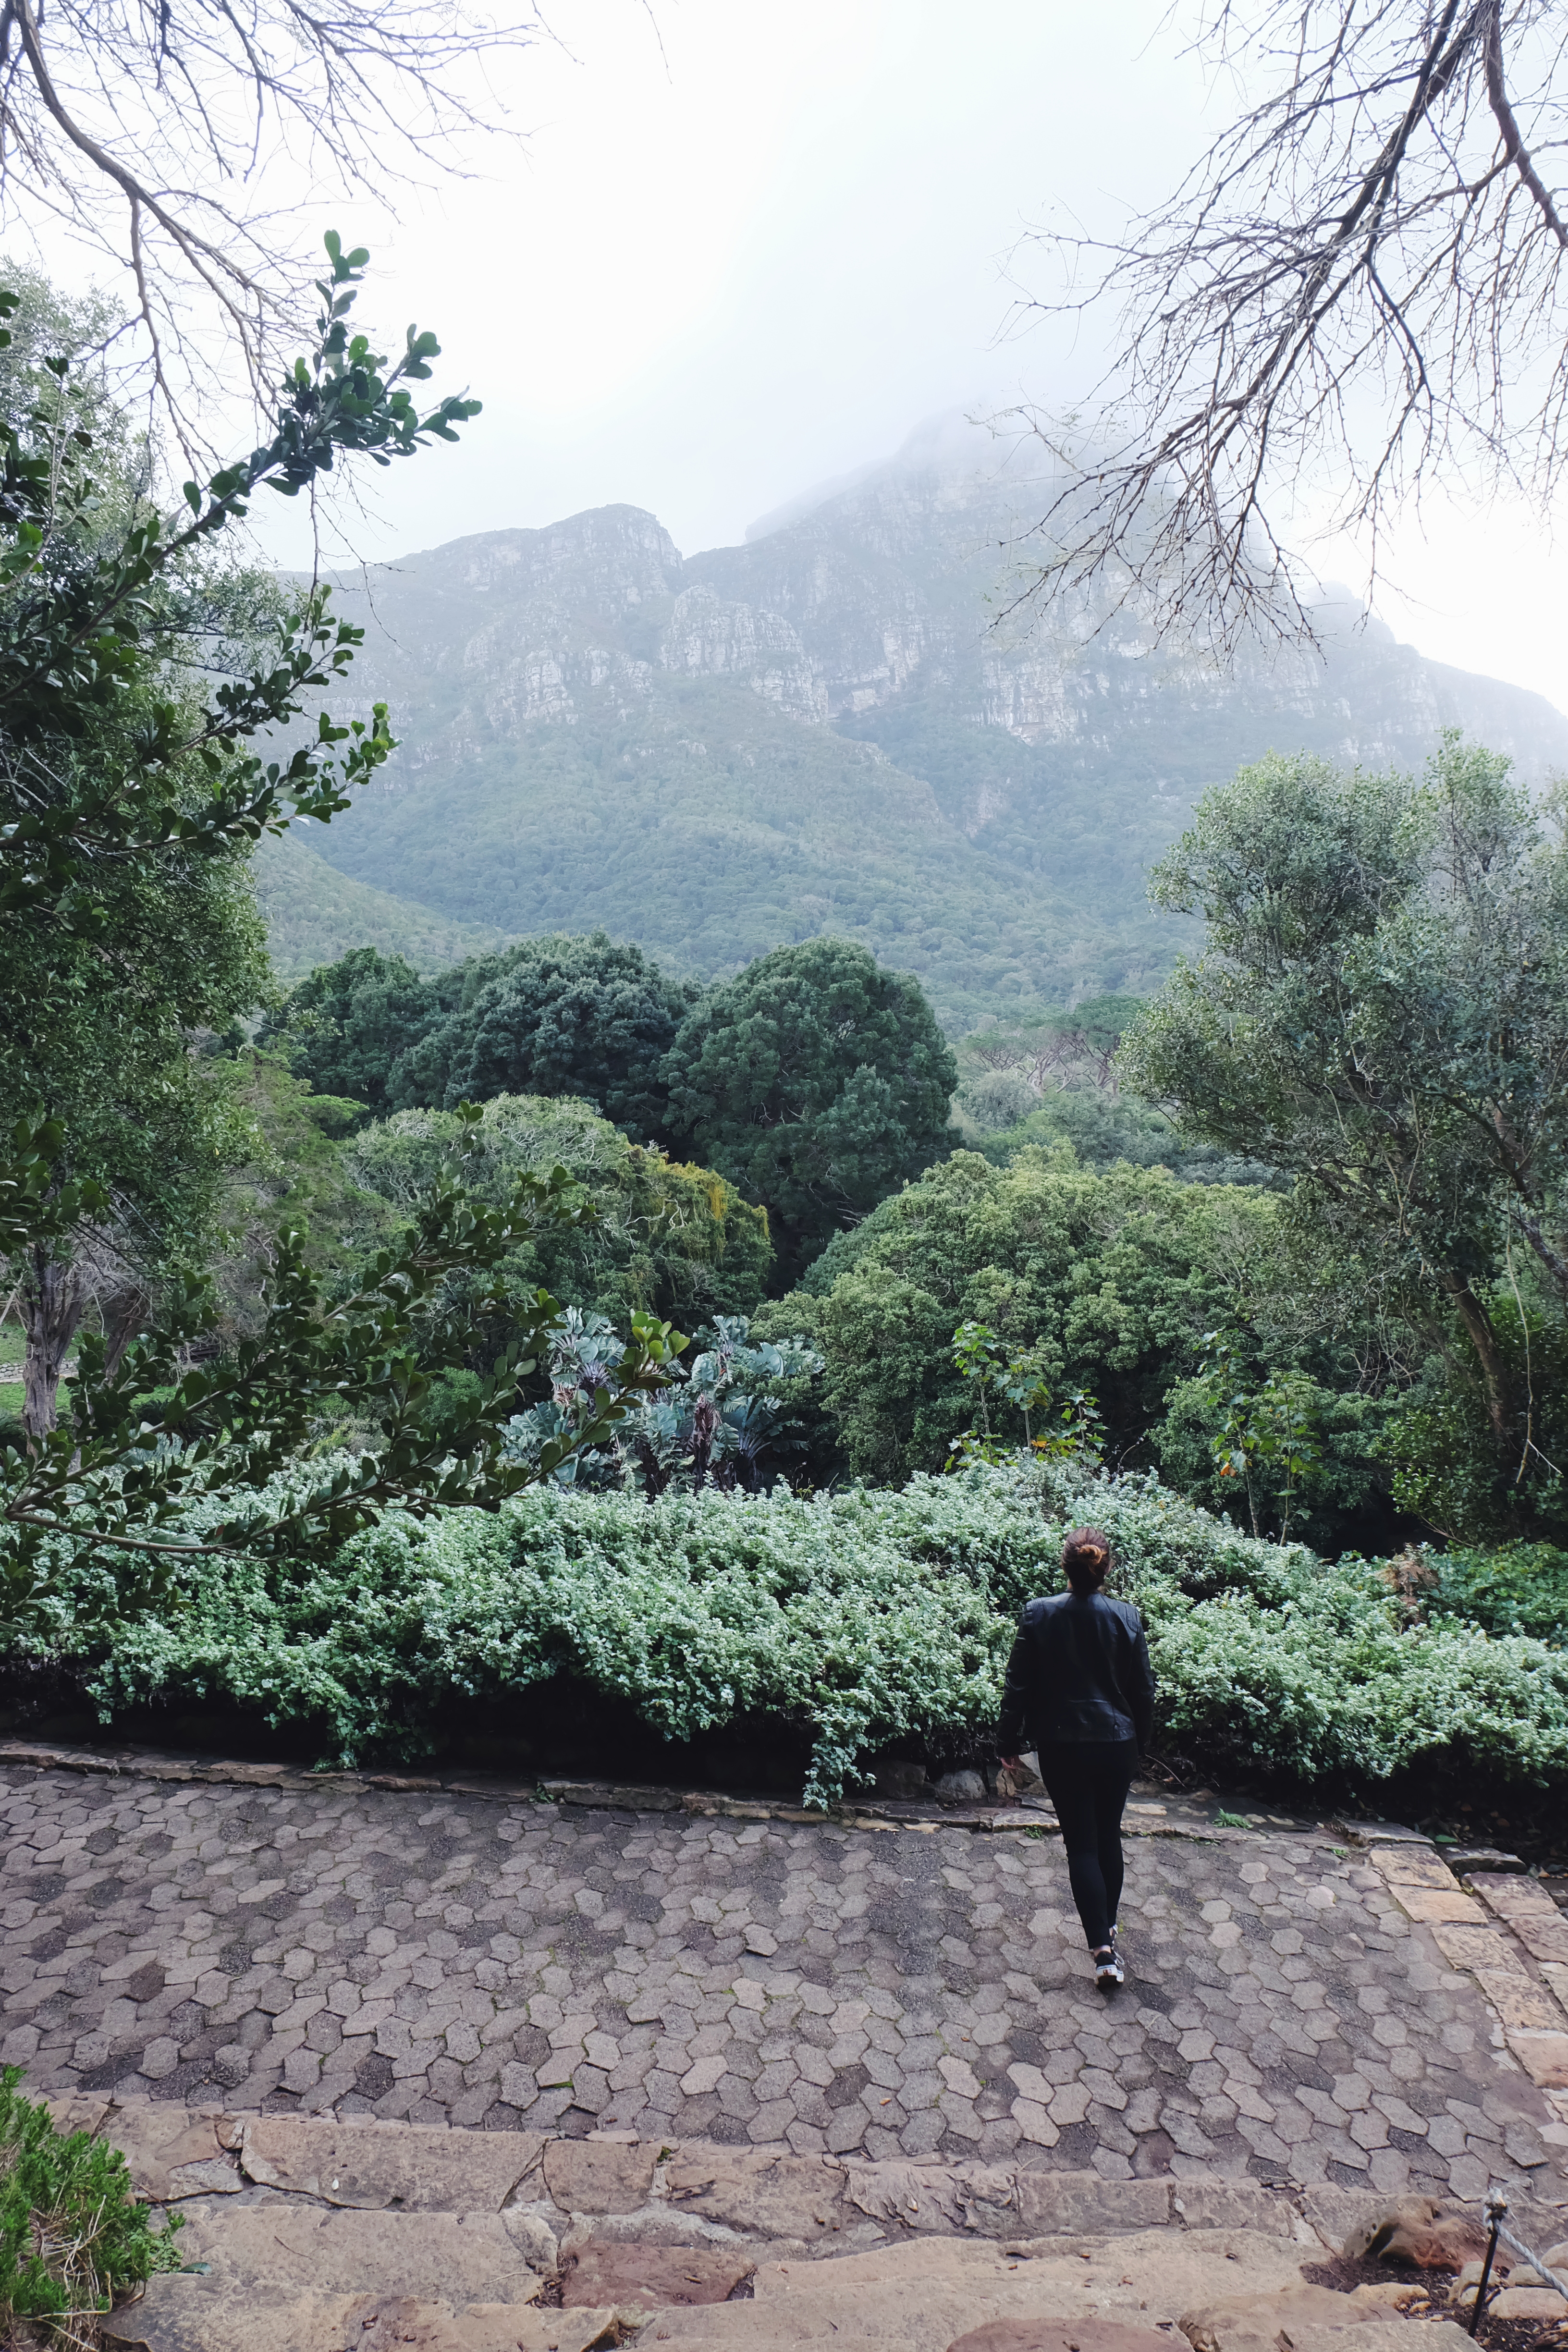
1080	1688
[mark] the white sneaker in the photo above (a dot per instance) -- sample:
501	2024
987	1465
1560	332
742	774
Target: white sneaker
1109	1971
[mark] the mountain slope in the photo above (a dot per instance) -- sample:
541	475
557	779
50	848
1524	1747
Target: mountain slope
314	914
837	727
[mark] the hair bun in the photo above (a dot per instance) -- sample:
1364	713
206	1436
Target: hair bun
1085	1557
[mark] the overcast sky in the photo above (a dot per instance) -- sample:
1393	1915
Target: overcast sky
749	245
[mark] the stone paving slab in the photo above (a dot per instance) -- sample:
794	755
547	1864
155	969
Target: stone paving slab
423	1956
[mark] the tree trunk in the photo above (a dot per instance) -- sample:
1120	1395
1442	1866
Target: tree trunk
1495	1381
52	1302
125	1316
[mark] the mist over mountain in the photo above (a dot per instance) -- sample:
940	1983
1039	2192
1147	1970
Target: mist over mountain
841	725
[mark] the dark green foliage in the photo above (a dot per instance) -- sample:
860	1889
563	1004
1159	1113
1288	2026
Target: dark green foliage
346	1024
1054	1076
72	2237
816	1082
1106	1127
95	1025
585	1017
1111	1280
1226	1451
590	1017
1521	1588
1439	1442
158	1436
288	1172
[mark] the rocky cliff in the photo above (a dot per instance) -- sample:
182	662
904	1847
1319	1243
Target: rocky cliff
850	723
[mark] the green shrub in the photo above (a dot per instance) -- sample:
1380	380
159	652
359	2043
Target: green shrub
72	2237
695	1608
1521	1588
673	1239
860	1617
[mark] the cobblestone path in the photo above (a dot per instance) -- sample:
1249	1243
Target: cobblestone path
907	1992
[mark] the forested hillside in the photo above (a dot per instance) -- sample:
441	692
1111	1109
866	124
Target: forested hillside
835	727
314	914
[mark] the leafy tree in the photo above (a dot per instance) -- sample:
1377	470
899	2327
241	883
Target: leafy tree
102	1001
1382	1013
345	1023
1079	1044
95	1030
1439	1444
89	811
1042	1081
1102	1128
664	1238
1093	1287
996	1373
1267	1437
79	605
816	1082
287	1171
562	1015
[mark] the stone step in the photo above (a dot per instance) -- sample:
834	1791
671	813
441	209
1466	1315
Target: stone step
182	2314
1039	2331
929	2293
1163	2271
264	2272
275	2247
311	2232
1027	2316
415	2167
921	2319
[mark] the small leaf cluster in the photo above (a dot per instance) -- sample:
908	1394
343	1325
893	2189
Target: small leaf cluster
36	1203
1013	1378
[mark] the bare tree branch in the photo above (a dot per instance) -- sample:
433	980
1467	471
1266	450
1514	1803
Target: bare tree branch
1514	148
1360	289
164	135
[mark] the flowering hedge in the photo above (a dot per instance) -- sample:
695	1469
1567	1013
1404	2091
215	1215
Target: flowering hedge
860	1617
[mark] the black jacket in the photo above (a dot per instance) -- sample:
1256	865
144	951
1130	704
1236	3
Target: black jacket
1079	1670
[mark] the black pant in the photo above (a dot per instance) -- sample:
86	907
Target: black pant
1088	1780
